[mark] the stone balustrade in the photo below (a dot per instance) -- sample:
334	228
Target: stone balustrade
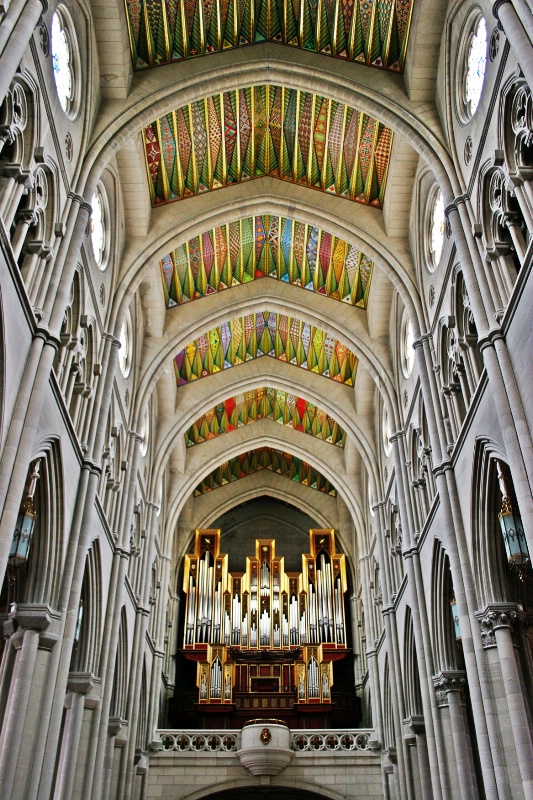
229	741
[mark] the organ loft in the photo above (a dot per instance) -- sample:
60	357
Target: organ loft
264	642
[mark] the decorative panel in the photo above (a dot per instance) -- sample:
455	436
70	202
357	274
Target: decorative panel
265	403
267	130
373	32
265	458
266	334
266	246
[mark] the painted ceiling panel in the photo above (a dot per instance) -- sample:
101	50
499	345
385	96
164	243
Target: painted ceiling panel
265	334
373	32
265	458
267	130
265	403
266	246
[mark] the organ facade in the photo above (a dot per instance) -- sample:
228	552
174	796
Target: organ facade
265	640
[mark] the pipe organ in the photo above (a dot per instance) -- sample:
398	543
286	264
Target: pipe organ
264	639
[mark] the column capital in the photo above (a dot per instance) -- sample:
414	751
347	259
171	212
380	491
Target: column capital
494	616
448	681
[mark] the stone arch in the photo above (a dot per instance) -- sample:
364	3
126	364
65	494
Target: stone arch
86	649
119	695
271	64
196	472
335	215
494	581
206	516
413	696
234	785
47	547
442	593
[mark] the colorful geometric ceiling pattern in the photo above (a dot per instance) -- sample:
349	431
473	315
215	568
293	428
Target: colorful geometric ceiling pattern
373	32
265	458
265	334
267	130
266	246
265	403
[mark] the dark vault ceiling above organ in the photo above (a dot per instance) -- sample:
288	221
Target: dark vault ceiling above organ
265	403
266	246
265	334
374	33
265	458
289	134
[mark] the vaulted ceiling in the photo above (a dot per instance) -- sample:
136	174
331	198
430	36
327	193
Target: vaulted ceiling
325	312
162	31
296	136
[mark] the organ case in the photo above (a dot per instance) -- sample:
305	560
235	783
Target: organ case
264	632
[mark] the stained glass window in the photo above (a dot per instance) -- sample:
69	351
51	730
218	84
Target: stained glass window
98	229
406	346
438	223
475	66
61	62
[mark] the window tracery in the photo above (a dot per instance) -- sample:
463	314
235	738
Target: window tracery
62	62
476	63
504	233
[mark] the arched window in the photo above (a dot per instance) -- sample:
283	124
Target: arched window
386	432
437	227
407	354
473	64
65	61
98	228
126	345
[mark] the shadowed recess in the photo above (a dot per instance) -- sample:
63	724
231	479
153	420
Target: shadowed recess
270	459
373	33
267	130
265	334
265	403
266	246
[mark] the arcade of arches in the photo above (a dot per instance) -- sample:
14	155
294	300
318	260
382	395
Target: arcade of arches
266	406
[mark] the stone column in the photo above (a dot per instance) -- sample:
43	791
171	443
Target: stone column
520	42
497	623
10	18
389	617
449	687
80	686
435	742
489	743
19	39
29	624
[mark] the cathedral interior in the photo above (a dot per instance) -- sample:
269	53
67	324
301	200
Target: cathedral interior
266	399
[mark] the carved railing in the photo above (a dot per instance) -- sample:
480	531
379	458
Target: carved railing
330	741
228	741
199	742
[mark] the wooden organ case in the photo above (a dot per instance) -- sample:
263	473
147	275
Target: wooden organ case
264	640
